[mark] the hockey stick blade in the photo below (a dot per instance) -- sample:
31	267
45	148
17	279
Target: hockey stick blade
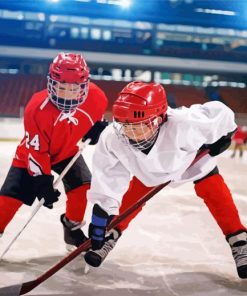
24	288
11	290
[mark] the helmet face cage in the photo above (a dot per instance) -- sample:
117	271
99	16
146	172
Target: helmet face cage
140	135
66	96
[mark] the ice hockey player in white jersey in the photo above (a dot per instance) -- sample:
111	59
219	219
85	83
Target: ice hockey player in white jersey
155	144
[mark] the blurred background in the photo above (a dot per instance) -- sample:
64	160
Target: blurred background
196	49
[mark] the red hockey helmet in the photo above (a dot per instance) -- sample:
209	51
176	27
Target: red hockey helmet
139	101
68	81
138	113
69	68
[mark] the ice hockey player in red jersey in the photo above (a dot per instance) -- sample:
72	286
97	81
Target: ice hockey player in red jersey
55	119
239	139
156	144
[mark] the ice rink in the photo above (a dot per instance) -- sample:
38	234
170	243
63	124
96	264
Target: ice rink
173	248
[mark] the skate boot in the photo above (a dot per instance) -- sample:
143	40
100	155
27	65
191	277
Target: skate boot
96	257
73	235
238	244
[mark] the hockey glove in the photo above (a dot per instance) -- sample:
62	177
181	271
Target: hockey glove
95	131
97	228
221	145
43	188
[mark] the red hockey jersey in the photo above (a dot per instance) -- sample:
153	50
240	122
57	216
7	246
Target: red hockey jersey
51	135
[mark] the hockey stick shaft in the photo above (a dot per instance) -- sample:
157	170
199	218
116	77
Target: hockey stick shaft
148	196
82	146
28	286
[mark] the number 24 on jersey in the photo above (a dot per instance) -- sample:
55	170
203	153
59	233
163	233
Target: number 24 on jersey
34	142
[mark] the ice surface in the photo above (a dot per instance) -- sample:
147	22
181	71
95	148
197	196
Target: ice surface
173	247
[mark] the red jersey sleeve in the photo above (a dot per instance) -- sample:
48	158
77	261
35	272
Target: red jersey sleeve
33	151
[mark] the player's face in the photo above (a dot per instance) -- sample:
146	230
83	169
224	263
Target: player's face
138	132
140	135
67	91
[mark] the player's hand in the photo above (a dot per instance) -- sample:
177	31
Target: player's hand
43	188
95	132
97	227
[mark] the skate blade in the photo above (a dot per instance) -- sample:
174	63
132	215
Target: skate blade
71	248
86	268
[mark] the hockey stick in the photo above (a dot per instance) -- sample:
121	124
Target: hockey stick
24	288
82	146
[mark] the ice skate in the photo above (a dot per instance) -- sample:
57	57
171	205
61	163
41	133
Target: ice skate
238	244
96	257
73	235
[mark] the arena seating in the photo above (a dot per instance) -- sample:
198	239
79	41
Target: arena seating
235	98
186	95
16	90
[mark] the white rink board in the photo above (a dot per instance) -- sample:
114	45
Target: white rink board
173	248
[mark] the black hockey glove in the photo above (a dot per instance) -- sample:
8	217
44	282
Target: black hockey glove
221	145
43	188
97	228
95	132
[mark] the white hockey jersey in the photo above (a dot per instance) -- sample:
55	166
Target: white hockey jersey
177	144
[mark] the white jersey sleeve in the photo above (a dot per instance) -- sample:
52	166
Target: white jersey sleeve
110	179
207	123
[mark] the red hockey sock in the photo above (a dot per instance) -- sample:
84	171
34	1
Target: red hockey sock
136	191
8	208
218	199
76	203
